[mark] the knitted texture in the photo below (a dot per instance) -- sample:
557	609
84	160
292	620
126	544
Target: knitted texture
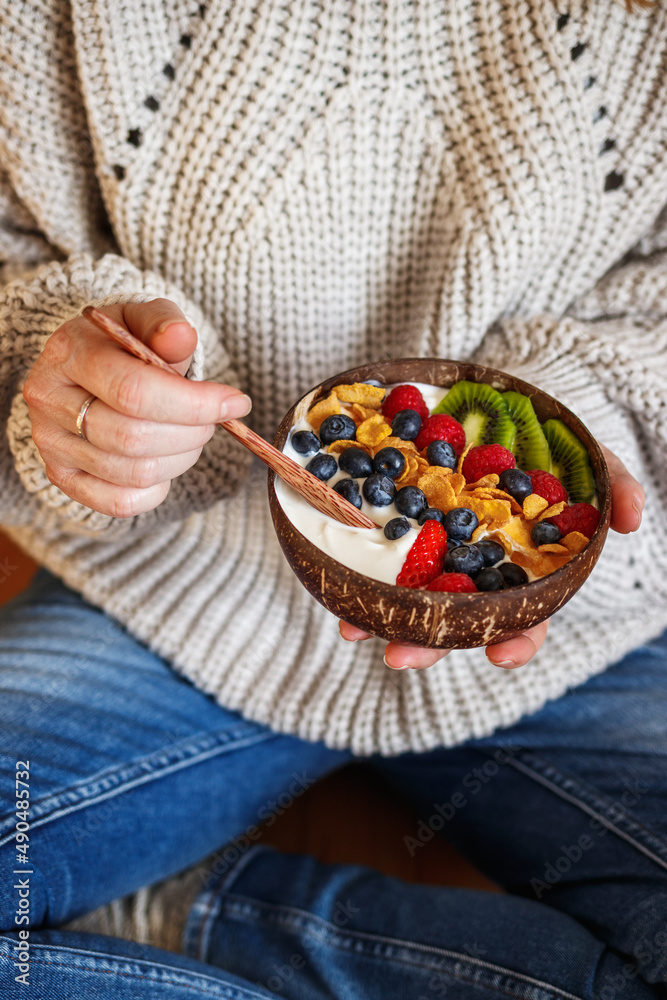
317	186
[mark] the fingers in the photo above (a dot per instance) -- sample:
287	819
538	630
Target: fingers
163	327
107	498
400	657
518	651
627	495
351	633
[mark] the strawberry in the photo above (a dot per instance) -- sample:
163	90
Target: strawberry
453	583
547	486
487	458
404	397
424	560
581	517
441	427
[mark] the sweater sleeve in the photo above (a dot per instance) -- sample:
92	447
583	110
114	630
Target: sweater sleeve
606	360
34	305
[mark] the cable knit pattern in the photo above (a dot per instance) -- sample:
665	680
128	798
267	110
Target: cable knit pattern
318	185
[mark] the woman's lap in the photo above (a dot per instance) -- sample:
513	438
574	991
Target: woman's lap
135	774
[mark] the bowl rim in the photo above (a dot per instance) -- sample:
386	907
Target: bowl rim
392	590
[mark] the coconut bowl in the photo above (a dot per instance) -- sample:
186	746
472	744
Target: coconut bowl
428	618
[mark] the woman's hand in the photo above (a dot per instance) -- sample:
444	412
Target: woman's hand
144	427
626	515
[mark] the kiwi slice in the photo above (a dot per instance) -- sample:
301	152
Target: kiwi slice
530	448
569	461
482	411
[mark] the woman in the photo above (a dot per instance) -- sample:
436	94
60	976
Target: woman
309	187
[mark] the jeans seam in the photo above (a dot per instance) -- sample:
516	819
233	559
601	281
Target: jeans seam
120	779
222	989
593	804
292	919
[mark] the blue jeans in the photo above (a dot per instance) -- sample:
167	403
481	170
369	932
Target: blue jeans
134	774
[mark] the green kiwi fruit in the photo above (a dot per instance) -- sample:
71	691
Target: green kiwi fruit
569	461
530	448
482	411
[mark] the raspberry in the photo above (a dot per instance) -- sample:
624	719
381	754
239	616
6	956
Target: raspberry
453	583
404	397
547	486
441	427
424	560
581	517
487	458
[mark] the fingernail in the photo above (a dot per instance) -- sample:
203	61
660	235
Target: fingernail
173	322
505	663
238	405
404	666
638	505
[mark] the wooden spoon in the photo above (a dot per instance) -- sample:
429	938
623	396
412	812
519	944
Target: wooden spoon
312	489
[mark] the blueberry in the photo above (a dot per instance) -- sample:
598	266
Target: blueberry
460	522
337	426
441	453
464	559
389	462
379	490
410	501
305	442
431	514
356	463
545	533
323	466
397	527
406	425
492	551
490	578
512	574
349	489
516	483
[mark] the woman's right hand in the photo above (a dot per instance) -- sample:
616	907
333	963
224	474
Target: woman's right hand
144	427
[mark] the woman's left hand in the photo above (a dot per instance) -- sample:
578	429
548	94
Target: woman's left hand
626	515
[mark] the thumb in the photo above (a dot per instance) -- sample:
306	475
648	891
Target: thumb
161	325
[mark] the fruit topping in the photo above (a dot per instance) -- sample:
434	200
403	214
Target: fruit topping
453	583
441	427
492	552
513	575
545	533
486	459
432	514
349	489
464	559
406	425
530	447
379	490
337	426
441	453
424	560
581	517
404	397
516	483
569	461
460	522
546	485
389	462
410	501
396	528
490	578
323	466
482	411
305	442
356	462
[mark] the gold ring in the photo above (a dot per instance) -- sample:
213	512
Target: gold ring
85	406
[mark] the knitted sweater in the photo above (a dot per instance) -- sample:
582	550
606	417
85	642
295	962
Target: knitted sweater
319	185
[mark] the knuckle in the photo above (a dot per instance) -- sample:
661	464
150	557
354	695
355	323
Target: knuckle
127	391
125	504
145	472
57	476
131	439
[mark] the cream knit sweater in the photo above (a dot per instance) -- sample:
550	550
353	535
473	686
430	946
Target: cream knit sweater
320	184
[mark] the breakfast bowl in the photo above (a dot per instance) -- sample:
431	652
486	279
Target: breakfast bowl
411	614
